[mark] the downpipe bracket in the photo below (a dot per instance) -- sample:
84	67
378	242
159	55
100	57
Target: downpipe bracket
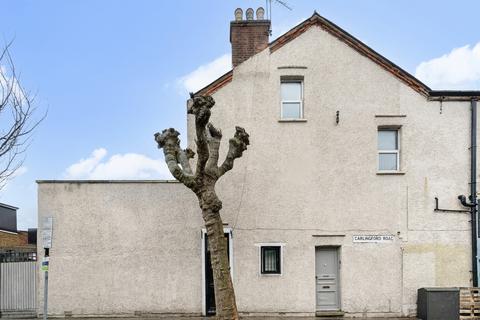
463	201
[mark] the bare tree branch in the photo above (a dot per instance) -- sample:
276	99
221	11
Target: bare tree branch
200	107
16	117
168	140
236	146
214	139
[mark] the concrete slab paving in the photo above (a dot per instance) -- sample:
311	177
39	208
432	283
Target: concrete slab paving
179	317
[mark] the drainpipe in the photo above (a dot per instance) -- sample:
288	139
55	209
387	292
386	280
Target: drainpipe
473	192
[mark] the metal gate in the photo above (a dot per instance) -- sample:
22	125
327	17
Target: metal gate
17	283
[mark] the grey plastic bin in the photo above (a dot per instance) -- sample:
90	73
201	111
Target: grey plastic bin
438	303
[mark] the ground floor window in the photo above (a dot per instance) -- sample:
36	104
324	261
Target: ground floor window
271	259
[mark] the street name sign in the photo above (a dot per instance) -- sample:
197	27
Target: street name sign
373	238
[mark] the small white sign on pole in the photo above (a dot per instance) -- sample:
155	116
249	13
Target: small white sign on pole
373	238
47	230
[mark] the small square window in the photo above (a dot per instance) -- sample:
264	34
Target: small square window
270	256
292	99
388	150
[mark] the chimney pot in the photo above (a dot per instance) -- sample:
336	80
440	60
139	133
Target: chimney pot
248	37
249	14
238	14
260	13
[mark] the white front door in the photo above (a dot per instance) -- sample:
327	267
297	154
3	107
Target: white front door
326	278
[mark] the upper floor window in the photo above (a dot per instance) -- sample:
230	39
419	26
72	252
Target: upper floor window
292	99
388	150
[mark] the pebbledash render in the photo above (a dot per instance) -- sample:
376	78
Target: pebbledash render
331	209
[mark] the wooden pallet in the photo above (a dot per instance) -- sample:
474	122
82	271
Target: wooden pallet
469	303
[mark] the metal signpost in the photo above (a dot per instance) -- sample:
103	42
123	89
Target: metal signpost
47	228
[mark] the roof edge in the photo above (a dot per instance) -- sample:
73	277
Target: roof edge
9	231
103	181
8	206
356	44
454	95
214	86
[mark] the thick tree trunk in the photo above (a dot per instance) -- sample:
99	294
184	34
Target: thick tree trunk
226	307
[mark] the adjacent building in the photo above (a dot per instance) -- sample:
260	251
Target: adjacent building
13	240
345	202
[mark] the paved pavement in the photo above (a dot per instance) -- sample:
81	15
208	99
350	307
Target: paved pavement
213	318
316	318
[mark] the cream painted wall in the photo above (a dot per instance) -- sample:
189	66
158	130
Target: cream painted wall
316	176
122	247
304	184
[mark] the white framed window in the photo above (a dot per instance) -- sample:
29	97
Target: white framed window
292	98
388	149
270	258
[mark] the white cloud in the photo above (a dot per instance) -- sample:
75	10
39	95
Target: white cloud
459	69
9	82
206	73
85	166
118	166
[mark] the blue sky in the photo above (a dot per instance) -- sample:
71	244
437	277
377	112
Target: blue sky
111	73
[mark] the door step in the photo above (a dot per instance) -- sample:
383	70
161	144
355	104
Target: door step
328	314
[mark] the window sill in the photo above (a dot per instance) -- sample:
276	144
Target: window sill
391	173
270	275
292	120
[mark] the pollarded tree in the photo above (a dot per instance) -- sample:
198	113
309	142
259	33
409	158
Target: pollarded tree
202	183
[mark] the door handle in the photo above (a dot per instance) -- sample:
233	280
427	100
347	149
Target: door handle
326	287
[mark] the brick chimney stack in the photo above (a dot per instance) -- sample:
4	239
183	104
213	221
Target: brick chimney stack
249	36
